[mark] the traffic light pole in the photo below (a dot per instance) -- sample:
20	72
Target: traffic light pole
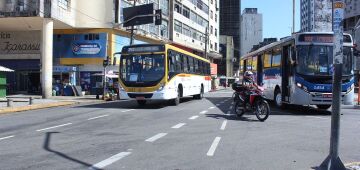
132	30
333	162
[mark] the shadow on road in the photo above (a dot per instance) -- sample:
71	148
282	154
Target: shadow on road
46	146
245	118
132	104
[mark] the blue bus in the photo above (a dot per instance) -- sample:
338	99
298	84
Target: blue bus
298	69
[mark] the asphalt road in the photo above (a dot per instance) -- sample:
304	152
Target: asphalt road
197	134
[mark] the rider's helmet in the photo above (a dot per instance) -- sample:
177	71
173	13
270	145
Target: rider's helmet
249	76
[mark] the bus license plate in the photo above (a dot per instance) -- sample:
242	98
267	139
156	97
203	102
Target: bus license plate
327	95
140	98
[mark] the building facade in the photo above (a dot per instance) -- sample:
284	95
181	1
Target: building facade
251	29
316	15
230	19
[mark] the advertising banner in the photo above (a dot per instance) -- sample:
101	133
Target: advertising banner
20	42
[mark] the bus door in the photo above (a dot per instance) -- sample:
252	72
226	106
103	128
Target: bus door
285	73
260	70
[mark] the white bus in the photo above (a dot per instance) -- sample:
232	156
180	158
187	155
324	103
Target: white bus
298	69
162	72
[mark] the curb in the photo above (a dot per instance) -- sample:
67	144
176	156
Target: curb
35	107
356	106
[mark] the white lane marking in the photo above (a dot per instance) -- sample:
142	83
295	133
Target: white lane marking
217	104
211	107
7	137
223	125
97	117
324	118
230	107
203	112
193	117
156	137
127	110
110	160
178	125
52	127
213	146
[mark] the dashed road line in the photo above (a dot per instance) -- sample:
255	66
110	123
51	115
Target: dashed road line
7	137
223	125
97	117
52	127
213	146
178	125
212	107
193	117
127	110
156	137
203	112
110	160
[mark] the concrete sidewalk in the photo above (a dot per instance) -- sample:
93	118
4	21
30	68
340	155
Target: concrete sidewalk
21	102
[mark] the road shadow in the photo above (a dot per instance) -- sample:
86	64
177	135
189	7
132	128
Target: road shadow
46	146
244	118
132	104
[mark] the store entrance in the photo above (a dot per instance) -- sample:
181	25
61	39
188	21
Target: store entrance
28	82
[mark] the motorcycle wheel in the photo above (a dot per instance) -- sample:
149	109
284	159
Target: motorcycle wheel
262	110
238	110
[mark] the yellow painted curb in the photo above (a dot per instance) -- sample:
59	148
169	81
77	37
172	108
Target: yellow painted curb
34	107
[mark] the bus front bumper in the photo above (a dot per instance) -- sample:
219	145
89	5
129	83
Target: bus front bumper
317	98
165	94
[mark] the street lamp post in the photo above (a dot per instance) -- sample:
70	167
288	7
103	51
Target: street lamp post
333	162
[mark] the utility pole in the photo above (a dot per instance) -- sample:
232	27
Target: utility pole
333	162
132	30
206	42
293	24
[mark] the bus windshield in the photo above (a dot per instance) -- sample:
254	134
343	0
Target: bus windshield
318	60
145	69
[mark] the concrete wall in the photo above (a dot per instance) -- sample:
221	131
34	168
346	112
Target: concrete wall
20	45
251	31
94	13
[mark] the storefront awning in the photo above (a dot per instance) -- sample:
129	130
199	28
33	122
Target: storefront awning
4	69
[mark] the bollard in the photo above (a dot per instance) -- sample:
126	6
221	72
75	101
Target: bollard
9	102
31	100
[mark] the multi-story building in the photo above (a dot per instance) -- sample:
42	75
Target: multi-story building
352	19
251	29
230	19
316	15
193	22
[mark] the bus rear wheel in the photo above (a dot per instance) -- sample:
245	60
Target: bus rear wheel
323	107
141	102
200	95
176	101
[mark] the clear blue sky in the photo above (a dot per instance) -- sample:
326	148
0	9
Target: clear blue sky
277	16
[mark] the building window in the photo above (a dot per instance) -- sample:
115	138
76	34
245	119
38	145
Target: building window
212	1
177	7
211	14
92	37
186	30
215	32
178	26
65	4
164	29
216	46
193	16
164	7
215	18
211	29
186	12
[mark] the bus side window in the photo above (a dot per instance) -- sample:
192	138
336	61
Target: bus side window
200	67
191	64
179	63
185	64
196	64
172	64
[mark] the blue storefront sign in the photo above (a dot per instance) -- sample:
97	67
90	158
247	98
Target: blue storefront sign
80	45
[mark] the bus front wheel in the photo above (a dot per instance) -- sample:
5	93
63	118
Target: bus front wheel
201	94
176	101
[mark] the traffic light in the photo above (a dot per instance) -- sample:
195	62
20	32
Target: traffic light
107	61
158	17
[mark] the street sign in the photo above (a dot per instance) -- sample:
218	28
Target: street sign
158	17
130	14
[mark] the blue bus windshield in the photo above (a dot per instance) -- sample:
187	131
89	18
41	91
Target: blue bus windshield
318	60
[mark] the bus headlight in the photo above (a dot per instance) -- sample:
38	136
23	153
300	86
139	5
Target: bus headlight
302	87
299	85
162	86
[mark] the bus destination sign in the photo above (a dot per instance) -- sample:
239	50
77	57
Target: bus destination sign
317	38
143	49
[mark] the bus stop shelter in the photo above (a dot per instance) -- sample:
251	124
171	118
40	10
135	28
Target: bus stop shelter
3	71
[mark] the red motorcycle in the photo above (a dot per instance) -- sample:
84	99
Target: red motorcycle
250	99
